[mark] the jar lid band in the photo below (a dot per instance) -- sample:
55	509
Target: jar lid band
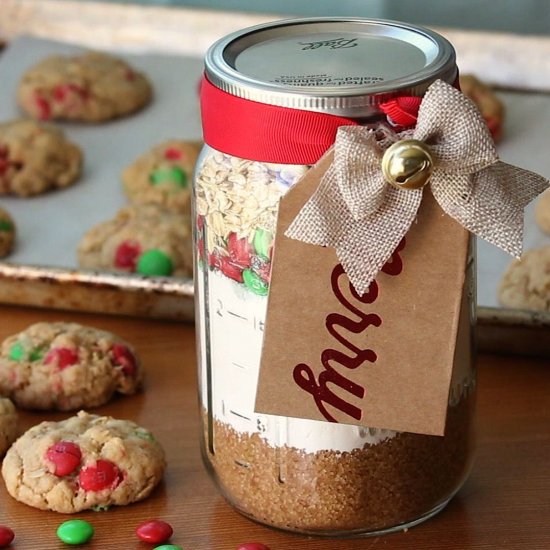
266	133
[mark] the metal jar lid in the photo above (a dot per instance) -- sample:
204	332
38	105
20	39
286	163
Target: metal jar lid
342	66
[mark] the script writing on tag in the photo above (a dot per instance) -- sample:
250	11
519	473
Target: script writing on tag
383	359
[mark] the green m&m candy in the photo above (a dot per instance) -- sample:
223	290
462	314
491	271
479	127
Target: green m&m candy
17	352
144	434
155	262
254	283
167	547
174	176
262	242
75	531
5	225
36	354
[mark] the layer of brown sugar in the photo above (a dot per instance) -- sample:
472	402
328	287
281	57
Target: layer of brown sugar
377	487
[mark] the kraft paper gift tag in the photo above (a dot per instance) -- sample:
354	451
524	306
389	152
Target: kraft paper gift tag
384	357
381	360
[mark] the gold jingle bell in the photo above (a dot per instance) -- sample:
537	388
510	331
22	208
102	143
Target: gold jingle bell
407	164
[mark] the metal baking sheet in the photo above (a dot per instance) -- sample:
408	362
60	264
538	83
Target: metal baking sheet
49	226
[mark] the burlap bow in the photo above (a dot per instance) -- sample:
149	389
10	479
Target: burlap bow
358	213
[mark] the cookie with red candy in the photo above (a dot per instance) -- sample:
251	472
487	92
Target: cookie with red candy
163	175
86	461
91	87
66	366
145	239
35	158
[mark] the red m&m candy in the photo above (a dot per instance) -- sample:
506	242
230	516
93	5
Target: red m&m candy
103	475
240	250
172	153
43	106
6	536
126	255
124	358
64	357
229	269
65	456
252	546
154	531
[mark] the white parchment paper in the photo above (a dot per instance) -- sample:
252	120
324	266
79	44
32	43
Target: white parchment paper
50	226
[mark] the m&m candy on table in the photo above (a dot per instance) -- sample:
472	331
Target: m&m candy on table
75	531
154	531
168	547
252	546
6	536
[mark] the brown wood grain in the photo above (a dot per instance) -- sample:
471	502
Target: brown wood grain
505	504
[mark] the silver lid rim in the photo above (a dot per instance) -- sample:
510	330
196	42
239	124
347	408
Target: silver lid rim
353	101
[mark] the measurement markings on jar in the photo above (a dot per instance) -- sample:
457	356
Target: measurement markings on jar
237	315
239	366
240	415
256	322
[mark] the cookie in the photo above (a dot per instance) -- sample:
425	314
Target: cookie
488	103
92	87
140	239
526	282
84	462
8	424
66	366
163	176
7	233
542	211
35	157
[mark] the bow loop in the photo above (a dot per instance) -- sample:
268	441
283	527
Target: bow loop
357	158
454	129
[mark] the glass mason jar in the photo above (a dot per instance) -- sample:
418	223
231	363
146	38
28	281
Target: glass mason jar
304	475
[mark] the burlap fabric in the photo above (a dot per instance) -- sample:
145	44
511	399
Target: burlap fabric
358	213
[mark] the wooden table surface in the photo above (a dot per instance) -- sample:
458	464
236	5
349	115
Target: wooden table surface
505	504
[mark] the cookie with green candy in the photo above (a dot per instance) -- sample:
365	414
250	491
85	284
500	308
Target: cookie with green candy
163	175
66	366
7	233
143	239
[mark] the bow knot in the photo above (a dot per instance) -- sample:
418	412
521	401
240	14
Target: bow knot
357	211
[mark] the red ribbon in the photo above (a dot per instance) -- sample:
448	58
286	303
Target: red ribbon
268	133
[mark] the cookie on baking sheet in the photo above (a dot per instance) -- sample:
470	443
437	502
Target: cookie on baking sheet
526	282
92	87
66	366
163	176
488	103
7	233
36	157
8	424
542	211
84	462
141	239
